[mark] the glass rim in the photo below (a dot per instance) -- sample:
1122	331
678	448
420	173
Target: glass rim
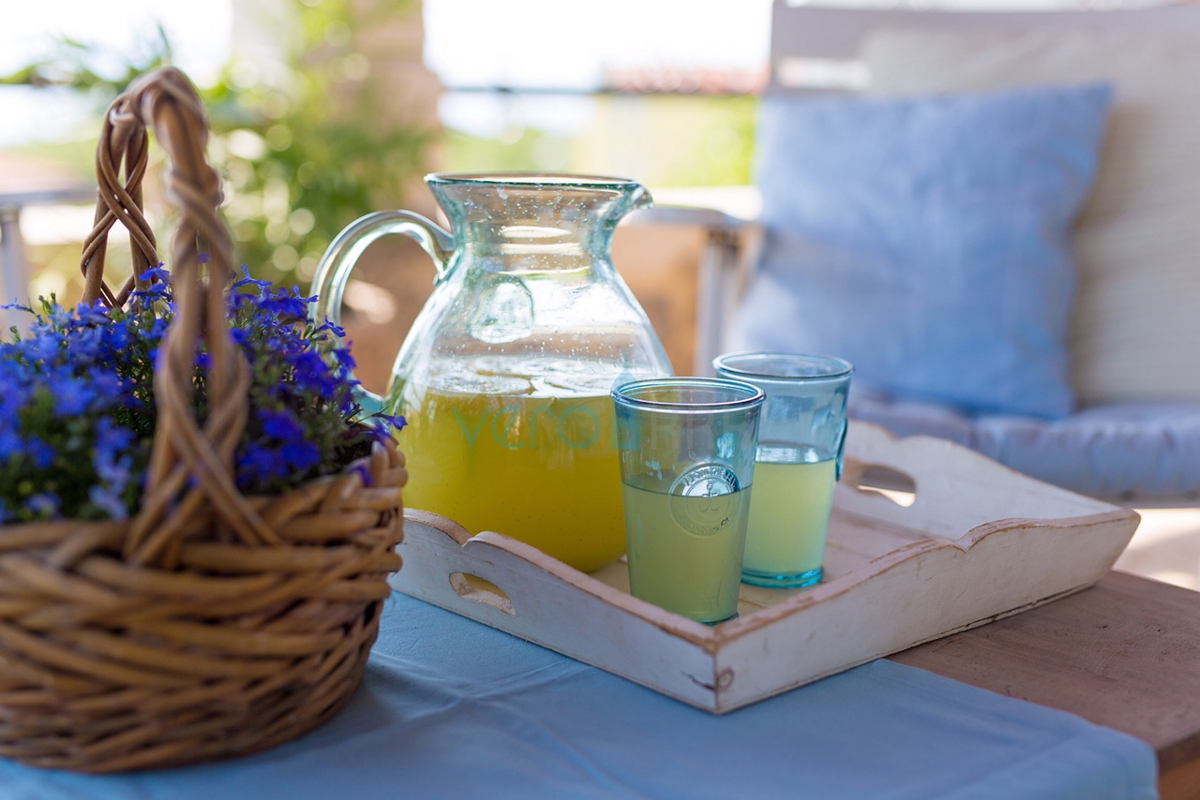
751	395
838	367
532	180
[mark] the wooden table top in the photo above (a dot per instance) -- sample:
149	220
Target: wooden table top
1124	653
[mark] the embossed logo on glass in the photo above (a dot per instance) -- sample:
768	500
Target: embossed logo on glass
702	499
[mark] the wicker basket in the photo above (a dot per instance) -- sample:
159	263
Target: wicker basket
212	624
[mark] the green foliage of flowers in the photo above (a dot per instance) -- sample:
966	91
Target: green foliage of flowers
77	410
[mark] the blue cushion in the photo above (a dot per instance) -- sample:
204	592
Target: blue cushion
1121	451
927	240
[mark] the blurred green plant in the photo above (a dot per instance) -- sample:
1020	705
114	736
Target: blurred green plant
304	149
308	151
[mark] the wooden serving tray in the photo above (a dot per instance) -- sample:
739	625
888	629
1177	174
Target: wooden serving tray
978	542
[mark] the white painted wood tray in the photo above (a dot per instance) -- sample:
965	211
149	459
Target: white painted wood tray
977	543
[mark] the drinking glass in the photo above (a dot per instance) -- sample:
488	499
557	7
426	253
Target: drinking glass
687	461
799	459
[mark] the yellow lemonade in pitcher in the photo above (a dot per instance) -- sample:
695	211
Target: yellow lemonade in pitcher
531	458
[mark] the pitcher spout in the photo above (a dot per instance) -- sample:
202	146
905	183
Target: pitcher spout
639	199
548	216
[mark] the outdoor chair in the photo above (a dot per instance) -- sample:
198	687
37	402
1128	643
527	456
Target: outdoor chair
994	216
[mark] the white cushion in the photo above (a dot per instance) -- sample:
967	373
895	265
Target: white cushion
1136	328
1124	451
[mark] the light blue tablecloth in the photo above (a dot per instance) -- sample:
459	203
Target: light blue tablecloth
451	708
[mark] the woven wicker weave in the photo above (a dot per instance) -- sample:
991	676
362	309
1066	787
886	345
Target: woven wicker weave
212	624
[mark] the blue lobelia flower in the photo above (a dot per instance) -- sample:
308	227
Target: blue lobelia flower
11	444
72	395
77	400
281	424
41	454
396	422
44	505
109	501
300	455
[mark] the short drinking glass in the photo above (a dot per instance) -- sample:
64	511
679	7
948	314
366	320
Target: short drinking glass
687	460
802	432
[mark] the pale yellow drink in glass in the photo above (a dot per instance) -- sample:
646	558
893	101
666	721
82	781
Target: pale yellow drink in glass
789	515
493	449
685	552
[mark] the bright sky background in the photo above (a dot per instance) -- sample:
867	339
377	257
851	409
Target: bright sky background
559	43
200	30
569	42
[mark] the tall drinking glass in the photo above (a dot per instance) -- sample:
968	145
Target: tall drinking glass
803	430
687	461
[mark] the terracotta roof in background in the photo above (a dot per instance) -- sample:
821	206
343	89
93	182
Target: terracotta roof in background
686	81
20	173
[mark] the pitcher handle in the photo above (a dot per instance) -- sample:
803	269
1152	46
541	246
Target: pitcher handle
343	254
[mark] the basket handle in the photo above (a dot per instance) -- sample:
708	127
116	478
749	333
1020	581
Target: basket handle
191	467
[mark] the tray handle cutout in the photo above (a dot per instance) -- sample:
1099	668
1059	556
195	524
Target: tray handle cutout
889	482
478	590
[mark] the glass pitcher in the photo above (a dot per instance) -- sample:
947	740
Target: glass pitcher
505	375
